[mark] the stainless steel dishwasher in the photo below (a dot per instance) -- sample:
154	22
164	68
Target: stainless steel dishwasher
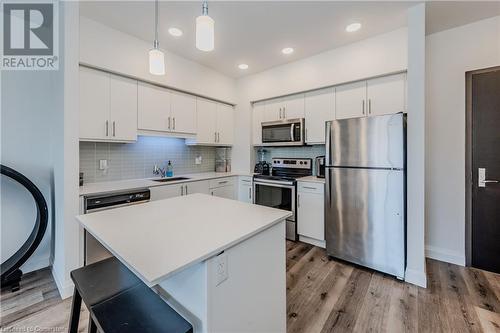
93	250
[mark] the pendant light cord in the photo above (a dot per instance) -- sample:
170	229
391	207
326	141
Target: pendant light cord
156	43
204	7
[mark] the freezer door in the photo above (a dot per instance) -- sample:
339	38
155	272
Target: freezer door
366	142
365	218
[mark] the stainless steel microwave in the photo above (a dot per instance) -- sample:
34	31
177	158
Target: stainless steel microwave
288	132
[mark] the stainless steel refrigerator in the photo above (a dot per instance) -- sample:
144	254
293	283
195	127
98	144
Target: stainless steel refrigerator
365	201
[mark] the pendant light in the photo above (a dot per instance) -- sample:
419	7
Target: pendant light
205	30
156	56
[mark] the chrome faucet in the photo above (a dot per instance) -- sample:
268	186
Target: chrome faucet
159	171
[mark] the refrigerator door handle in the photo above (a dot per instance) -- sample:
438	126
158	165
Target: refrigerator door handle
328	137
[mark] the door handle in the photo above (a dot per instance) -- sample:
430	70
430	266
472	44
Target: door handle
363	106
186	189
284	112
292	139
218	136
114	128
482	181
369	106
107	131
182	190
250	193
168	122
215	136
298	200
174	122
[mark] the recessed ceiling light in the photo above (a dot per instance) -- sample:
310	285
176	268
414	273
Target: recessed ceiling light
287	50
353	27
243	66
175	32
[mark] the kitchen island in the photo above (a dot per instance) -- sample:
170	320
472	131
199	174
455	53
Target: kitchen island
220	263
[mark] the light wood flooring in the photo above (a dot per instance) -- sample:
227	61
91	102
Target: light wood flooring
323	295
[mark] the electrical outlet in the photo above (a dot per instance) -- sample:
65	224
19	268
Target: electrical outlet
103	164
221	271
198	160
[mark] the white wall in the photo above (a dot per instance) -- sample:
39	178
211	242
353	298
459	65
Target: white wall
67	231
27	114
449	54
374	56
107	48
415	170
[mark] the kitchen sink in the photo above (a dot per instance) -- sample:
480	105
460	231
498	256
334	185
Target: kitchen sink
170	179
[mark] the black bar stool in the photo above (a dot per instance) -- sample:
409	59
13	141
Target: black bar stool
138	309
119	302
96	283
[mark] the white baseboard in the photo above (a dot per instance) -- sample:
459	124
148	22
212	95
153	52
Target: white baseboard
313	241
415	277
445	255
65	289
31	265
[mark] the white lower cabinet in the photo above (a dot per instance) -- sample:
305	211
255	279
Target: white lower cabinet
223	187
311	213
245	189
177	190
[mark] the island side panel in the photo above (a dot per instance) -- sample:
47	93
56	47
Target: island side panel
253	297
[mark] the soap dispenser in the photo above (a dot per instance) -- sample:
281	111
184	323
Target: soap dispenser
170	169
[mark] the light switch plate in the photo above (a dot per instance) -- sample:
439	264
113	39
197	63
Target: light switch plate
221	271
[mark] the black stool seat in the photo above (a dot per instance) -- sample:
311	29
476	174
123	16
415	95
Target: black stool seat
102	280
138	309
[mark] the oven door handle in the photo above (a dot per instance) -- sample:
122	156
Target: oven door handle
292	139
274	184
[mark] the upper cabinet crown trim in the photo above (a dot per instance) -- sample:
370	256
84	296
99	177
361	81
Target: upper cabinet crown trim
154	83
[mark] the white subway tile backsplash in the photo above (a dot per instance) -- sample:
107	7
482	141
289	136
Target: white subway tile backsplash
136	160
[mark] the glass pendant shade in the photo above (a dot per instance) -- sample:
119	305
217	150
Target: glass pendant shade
156	62
205	37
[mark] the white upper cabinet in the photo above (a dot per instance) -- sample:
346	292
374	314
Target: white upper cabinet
290	107
153	107
108	106
207	121
293	106
183	113
319	108
273	110
258	114
123	105
94	104
225	124
167	111
386	95
350	100
215	123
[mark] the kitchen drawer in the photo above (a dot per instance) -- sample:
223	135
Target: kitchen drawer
318	188
219	182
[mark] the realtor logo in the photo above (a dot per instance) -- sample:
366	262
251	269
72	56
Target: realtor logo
29	32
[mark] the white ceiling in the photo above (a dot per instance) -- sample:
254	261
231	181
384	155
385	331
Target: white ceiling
255	32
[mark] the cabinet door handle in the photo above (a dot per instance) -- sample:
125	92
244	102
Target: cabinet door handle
186	189
284	112
168	122
250	193
223	182
308	187
215	136
298	200
369	106
218	136
174	122
107	123
363	106
114	128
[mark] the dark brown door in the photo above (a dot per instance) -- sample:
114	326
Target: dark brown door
486	162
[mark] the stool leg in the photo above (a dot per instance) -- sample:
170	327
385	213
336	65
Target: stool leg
75	312
92	326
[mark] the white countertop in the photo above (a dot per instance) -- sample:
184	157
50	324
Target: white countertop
311	179
159	238
130	184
